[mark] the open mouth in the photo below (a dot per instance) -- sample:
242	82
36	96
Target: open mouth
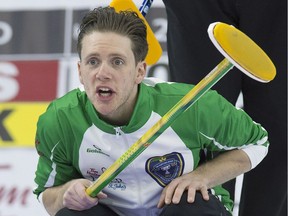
104	92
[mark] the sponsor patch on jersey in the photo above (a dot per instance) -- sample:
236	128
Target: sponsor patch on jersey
163	169
96	150
117	184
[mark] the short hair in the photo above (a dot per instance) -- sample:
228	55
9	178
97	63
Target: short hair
126	23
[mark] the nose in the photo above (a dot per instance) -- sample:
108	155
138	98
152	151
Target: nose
103	72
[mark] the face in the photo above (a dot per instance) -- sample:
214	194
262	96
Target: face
110	75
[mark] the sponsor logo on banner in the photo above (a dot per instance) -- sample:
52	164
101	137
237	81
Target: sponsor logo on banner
18	123
17	168
28	80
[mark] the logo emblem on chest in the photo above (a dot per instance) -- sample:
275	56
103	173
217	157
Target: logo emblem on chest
163	169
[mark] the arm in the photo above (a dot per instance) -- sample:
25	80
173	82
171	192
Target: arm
224	128
71	195
215	172
58	181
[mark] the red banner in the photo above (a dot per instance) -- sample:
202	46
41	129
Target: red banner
28	80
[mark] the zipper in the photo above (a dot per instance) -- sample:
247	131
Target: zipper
118	131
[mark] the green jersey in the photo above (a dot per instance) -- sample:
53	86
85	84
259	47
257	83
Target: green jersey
73	142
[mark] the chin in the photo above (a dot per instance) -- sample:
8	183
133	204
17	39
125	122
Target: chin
103	111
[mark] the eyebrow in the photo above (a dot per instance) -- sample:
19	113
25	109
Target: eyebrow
110	55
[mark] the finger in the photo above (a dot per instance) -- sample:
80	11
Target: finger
161	202
178	194
74	205
102	195
88	202
169	195
205	194
191	195
71	202
162	199
84	200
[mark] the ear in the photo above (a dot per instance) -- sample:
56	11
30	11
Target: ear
79	72
141	71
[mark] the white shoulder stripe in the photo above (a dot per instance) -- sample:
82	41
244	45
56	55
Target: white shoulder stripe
255	151
225	147
152	81
220	146
51	178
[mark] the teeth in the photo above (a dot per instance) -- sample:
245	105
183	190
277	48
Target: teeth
104	89
105	94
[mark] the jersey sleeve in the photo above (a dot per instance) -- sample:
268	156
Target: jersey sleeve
53	166
223	127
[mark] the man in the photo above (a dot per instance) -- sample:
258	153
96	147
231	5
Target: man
191	55
84	132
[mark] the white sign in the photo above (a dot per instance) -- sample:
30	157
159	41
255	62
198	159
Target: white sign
17	168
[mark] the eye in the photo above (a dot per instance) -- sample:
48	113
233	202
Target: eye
93	62
118	62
